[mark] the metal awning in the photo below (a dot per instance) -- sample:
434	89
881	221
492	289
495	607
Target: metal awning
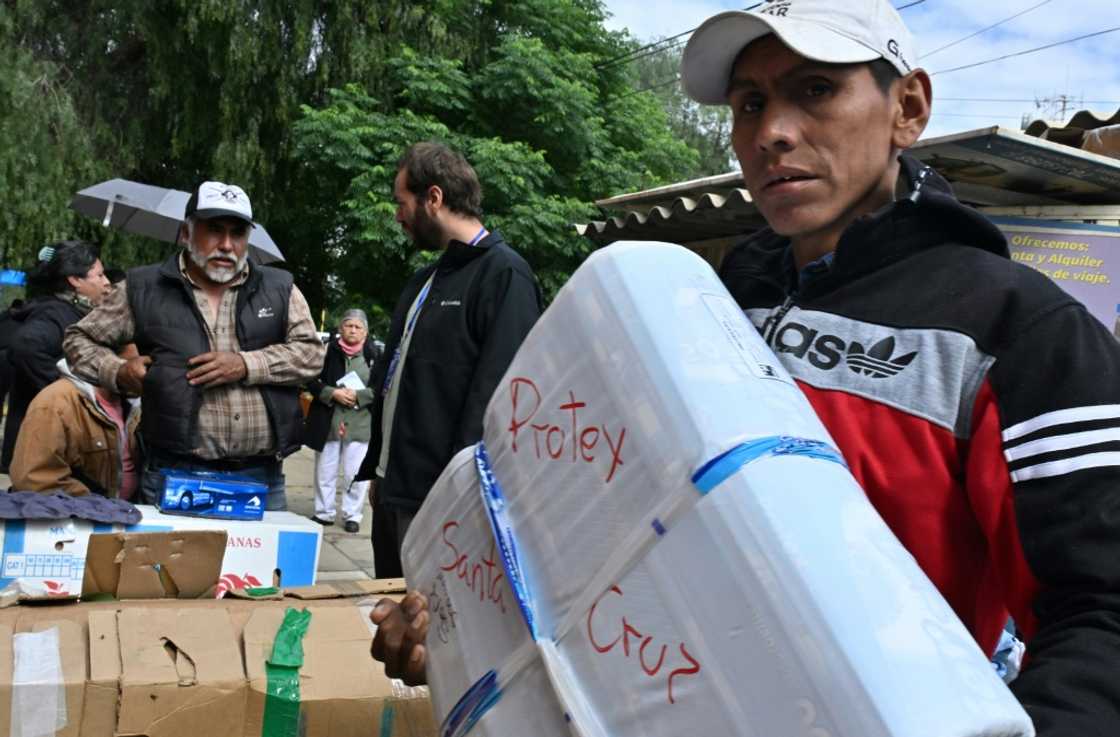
989	167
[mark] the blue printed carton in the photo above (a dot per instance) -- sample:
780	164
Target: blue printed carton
48	557
213	495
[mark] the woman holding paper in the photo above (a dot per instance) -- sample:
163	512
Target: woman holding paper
338	423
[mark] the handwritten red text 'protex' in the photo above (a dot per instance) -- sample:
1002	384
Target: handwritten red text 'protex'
651	660
566	439
483	577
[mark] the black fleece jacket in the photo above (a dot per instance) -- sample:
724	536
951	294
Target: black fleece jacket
33	353
483	301
978	405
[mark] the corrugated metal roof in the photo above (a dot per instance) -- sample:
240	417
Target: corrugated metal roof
683	219
987	167
1085	130
1073	132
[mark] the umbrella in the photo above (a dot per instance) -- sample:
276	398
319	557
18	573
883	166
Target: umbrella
155	212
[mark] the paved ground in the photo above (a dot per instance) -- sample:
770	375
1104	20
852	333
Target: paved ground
343	555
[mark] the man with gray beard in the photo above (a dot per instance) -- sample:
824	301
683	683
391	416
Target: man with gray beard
224	345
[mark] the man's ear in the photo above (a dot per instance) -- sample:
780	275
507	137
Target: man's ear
184	234
434	198
913	102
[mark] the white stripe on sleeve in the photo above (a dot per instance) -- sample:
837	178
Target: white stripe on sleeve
1062	417
1068	465
1062	442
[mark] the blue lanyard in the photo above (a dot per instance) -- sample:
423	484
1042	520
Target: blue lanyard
481	234
408	328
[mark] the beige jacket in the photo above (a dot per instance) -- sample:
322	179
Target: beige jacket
67	442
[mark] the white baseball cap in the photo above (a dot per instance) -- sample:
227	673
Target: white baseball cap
215	199
830	31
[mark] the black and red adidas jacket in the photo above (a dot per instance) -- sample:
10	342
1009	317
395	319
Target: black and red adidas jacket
978	405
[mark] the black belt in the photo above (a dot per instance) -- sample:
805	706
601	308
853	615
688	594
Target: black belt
219	464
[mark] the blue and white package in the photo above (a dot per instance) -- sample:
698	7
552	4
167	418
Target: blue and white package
657	537
212	495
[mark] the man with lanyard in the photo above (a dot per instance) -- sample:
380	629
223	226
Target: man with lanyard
456	327
224	344
977	404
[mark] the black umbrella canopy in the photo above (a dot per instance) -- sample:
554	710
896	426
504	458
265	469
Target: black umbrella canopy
155	212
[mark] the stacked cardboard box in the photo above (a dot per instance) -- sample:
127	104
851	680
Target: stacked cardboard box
150	651
170	668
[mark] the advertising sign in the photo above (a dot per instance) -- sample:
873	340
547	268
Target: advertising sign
1083	259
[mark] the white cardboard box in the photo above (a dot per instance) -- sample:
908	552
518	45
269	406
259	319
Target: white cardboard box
693	556
50	554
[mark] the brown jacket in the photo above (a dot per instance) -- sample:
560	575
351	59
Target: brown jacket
67	441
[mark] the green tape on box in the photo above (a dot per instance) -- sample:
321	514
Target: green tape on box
281	704
387	721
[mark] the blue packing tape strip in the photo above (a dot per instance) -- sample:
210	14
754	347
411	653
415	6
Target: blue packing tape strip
479	699
495	504
719	469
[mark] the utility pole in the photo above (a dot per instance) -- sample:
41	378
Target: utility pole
1058	108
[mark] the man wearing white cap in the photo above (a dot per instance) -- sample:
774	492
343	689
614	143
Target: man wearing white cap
975	401
224	344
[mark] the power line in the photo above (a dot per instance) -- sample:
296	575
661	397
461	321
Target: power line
652	52
976	115
1018	99
623	58
677	40
651	88
1025	52
634	54
985	30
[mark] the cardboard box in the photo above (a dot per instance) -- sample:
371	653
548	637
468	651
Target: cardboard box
178	668
99	717
180	672
43	667
281	549
212	496
340	689
154	565
671	545
48	556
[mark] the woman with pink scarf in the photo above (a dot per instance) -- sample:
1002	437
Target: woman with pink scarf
339	421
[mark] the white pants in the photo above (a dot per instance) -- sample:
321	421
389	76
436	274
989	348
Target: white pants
326	479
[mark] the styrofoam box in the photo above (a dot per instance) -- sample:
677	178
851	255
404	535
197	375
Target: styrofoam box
50	554
775	603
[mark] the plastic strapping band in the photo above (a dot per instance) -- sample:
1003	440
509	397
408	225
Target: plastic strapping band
281	705
495	504
38	693
719	469
474	704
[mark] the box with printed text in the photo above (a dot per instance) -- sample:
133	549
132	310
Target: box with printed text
49	556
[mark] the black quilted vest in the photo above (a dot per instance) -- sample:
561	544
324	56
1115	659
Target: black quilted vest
170	329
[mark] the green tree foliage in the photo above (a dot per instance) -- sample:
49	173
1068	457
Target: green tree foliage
309	104
546	128
41	143
704	128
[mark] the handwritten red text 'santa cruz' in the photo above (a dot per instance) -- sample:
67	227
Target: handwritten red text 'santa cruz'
483	577
560	436
651	657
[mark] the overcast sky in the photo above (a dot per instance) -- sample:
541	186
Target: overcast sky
1087	70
